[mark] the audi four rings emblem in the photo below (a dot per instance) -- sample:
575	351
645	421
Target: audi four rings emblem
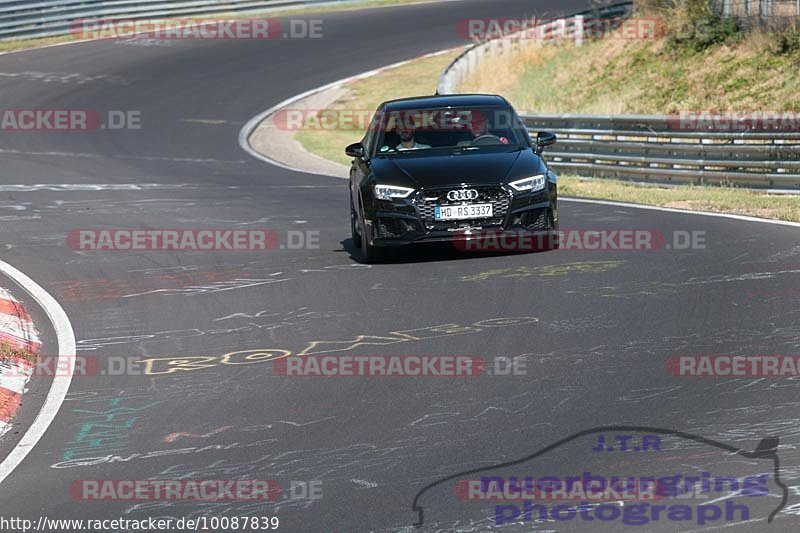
462	194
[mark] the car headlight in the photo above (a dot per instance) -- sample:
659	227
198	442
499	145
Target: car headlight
534	183
387	192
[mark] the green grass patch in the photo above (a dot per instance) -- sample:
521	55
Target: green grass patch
694	197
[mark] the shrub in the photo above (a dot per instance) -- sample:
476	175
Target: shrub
785	42
693	25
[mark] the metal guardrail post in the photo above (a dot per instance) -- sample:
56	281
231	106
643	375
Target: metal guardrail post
579	29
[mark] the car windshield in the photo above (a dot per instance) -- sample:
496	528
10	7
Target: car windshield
468	128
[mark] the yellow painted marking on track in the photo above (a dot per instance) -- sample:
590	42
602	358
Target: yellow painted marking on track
169	365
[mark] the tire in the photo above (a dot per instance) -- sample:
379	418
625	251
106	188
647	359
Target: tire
354	225
370	254
554	228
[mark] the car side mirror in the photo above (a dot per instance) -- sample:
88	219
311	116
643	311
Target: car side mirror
544	138
355	150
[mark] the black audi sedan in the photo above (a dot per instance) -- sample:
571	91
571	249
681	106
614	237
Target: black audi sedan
446	169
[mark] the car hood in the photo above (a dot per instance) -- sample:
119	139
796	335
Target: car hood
451	168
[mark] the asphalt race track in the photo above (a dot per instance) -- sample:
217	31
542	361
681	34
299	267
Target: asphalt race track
593	328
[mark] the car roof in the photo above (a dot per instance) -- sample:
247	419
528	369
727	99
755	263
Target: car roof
450	100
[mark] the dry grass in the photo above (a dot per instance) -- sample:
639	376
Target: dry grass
498	77
697	198
24	44
10	353
645	76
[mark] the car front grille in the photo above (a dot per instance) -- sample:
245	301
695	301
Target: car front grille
428	199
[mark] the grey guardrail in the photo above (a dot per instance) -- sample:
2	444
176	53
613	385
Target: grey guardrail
46	18
663	148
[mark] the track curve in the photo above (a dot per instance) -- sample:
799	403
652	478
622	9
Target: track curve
595	327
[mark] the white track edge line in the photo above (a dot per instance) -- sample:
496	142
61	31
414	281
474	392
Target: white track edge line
60	385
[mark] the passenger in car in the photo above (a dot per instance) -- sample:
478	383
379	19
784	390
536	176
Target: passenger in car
408	140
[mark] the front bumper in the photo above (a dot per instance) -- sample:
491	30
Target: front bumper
408	221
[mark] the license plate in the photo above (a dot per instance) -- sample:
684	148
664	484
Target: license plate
462	212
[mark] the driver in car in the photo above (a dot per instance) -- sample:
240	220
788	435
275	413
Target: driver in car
479	128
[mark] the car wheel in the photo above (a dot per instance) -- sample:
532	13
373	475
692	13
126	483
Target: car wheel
556	242
371	254
354	225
